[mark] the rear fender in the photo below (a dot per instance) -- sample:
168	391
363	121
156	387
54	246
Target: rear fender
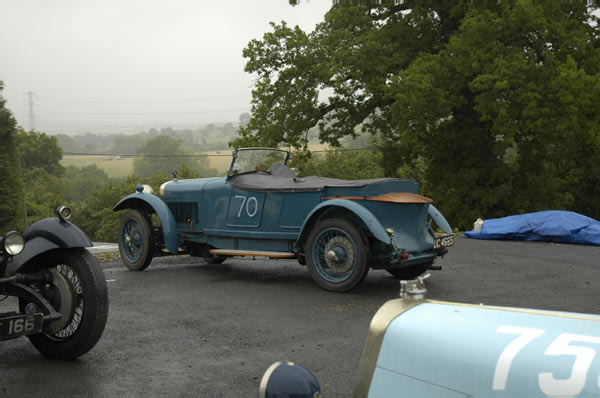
167	221
44	235
439	219
370	221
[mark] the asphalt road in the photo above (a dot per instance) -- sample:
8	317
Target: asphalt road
182	328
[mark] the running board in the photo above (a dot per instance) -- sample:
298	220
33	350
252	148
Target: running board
232	252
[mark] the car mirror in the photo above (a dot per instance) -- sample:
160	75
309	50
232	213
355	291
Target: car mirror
231	171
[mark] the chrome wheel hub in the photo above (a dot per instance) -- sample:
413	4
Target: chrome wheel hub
339	255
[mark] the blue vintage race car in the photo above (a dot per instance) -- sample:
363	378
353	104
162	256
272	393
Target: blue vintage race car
338	228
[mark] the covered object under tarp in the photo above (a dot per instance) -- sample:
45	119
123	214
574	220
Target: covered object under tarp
550	226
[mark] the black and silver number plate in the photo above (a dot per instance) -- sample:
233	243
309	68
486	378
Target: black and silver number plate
443	240
14	325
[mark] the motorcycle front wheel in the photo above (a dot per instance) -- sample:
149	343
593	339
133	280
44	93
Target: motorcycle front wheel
78	292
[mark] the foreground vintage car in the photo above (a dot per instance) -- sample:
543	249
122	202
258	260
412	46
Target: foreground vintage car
61	299
419	348
338	228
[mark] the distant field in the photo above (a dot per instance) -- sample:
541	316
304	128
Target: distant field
118	167
114	166
316	146
220	162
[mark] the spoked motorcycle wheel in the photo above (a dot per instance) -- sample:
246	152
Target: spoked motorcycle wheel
78	292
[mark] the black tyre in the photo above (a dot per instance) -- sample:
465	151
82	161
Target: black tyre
213	259
409	272
336	254
78	292
136	242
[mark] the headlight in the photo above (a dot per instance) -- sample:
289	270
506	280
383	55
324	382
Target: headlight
161	191
13	243
148	189
144	188
63	212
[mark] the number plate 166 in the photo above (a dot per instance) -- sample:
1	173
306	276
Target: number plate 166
20	325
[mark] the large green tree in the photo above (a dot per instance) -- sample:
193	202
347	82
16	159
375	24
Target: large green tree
494	104
40	156
39	150
11	204
506	115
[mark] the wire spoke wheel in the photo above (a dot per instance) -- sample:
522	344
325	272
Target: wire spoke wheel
68	284
337	255
78	292
135	240
133	243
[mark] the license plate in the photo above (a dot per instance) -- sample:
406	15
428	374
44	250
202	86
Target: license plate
445	240
14	325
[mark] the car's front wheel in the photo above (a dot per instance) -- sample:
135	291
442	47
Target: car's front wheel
135	240
78	292
336	255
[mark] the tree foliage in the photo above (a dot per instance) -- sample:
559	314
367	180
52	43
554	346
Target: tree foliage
83	181
42	173
10	182
95	215
493	104
353	165
38	150
164	154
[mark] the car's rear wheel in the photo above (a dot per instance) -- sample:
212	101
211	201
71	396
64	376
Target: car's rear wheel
336	255
136	240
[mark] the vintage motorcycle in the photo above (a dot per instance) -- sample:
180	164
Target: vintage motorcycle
61	300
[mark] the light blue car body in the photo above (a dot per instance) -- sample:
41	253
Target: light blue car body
436	349
418	348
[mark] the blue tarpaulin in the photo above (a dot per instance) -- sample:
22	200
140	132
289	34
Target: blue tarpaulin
550	226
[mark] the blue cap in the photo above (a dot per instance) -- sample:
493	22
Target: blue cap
287	380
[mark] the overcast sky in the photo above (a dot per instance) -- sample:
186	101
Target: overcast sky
122	66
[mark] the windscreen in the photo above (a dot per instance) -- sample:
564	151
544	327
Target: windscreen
258	159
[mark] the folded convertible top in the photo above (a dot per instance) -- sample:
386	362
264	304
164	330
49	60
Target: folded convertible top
264	182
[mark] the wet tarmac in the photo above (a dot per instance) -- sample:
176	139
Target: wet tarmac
183	328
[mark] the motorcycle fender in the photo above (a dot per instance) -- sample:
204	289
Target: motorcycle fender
45	235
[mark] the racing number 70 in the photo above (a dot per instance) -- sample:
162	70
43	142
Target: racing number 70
560	346
246	201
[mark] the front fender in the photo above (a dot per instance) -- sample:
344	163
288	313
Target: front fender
167	221
360	211
48	234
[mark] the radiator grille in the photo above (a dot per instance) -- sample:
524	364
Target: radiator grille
184	212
